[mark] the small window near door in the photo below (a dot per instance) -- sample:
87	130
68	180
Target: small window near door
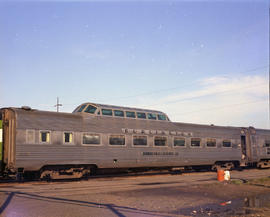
68	138
44	136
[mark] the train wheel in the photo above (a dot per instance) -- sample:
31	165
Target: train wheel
19	176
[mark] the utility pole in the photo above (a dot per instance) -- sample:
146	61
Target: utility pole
57	104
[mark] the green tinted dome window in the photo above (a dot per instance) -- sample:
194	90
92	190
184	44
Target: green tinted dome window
82	107
141	115
130	114
90	109
152	116
118	113
107	112
162	117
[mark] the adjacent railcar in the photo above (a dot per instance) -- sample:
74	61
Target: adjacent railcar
95	136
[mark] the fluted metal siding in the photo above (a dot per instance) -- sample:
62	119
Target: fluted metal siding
34	156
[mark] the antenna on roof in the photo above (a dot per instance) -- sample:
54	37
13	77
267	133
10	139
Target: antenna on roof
57	104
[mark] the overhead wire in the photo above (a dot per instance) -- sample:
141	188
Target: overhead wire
220	107
210	94
172	88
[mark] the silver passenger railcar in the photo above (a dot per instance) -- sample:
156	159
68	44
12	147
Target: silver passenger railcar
96	136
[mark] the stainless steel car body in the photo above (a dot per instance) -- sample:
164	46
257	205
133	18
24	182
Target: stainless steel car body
24	148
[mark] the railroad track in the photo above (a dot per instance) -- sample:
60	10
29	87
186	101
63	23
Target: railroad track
104	175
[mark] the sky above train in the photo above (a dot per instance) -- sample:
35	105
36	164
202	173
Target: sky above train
198	61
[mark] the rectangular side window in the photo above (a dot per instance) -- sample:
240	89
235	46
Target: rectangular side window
118	113
117	140
91	139
211	143
179	142
151	116
140	140
162	117
106	112
130	114
141	115
195	142
267	143
68	138
160	141
226	143
44	136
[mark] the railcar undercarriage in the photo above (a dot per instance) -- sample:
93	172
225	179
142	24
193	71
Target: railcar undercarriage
54	172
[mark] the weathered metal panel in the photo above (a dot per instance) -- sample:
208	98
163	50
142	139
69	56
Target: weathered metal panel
259	149
33	155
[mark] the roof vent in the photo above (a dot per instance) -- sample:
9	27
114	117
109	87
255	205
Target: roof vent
28	108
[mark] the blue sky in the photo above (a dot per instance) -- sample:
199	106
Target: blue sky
198	61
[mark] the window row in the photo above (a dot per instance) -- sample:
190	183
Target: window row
45	136
120	113
94	139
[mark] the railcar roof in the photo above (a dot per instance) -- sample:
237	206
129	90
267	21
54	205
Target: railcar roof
119	108
181	124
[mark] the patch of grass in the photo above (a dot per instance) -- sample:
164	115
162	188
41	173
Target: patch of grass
261	181
237	181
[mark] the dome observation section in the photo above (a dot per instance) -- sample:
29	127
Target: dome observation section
120	112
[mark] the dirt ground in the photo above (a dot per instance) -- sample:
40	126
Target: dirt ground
194	194
238	199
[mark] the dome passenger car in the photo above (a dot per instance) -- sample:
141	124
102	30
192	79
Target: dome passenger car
96	136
